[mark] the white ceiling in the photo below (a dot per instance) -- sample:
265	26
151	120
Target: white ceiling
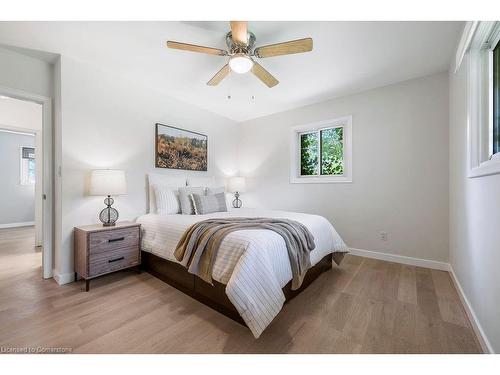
348	57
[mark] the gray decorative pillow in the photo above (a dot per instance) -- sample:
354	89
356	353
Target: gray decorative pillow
215	190
187	207
206	204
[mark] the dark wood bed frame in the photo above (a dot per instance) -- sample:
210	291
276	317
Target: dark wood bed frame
215	296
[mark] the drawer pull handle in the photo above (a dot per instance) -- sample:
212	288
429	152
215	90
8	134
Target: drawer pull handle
115	260
116	239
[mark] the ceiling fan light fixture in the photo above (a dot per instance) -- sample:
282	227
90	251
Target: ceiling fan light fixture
240	63
243	55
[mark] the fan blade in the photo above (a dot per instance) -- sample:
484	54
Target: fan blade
286	48
239	32
195	48
219	76
264	75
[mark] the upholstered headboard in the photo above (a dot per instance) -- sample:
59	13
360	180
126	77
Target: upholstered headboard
201	181
178	181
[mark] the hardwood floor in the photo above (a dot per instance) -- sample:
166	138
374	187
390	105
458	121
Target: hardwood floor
364	306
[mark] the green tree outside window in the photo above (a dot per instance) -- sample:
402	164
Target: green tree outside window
322	152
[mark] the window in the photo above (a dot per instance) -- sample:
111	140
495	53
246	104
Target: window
321	152
27	166
480	45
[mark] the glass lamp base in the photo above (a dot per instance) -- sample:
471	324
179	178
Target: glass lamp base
237	201
109	215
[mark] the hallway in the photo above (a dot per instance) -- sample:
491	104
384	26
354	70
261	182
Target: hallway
20	263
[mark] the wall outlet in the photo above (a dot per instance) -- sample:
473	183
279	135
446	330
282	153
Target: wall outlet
383	236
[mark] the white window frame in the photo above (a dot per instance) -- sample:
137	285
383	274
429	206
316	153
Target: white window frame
477	44
297	131
24	171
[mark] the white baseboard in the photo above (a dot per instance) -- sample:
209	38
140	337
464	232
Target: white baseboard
476	326
14	225
63	278
443	266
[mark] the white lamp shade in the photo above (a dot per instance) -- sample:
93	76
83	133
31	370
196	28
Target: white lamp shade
108	182
237	184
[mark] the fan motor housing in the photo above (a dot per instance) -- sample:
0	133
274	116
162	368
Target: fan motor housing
237	48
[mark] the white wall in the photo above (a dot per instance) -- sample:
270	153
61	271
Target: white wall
400	168
474	221
17	202
108	121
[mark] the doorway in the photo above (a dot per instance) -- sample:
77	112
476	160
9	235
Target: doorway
26	180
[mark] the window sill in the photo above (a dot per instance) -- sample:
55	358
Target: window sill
321	180
486	168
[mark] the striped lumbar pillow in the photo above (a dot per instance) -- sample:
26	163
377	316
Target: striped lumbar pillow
206	204
167	200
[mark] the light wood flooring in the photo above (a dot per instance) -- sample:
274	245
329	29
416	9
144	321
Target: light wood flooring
364	306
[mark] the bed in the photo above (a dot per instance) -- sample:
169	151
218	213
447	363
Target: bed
252	270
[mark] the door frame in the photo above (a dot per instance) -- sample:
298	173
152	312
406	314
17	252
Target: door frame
47	176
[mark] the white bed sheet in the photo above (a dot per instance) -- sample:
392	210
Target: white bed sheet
253	264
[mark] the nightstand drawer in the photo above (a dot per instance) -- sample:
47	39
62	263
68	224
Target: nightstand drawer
105	241
113	260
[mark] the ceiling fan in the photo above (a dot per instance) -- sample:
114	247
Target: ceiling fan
242	53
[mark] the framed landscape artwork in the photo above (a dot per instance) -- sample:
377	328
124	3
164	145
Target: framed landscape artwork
180	149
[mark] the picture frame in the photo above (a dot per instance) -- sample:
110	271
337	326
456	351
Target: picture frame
177	148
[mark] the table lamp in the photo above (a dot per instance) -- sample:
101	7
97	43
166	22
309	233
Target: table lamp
237	185
108	182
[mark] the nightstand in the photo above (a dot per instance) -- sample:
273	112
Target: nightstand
101	250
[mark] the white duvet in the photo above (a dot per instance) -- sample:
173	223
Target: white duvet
253	264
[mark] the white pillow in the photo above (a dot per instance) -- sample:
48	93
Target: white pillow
167	200
162	179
